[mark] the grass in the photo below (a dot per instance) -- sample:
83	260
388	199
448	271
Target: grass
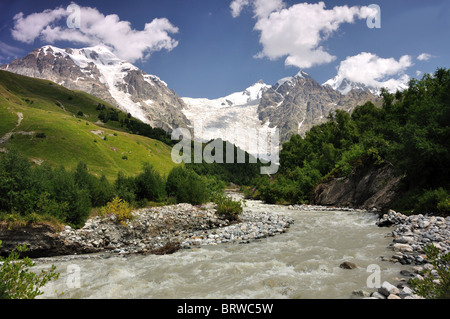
70	138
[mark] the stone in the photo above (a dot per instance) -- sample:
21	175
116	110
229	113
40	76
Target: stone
387	289
392	296
402	247
347	265
377	295
406	291
404	240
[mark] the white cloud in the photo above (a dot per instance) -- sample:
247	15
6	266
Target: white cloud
95	28
424	57
236	7
298	32
371	70
8	51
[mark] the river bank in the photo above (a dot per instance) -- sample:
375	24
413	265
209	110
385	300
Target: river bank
184	226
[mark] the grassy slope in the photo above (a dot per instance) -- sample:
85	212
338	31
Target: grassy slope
71	138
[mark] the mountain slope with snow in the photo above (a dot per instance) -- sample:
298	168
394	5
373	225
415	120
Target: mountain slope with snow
233	118
344	85
96	70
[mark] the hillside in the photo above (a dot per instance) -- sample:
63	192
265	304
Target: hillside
50	123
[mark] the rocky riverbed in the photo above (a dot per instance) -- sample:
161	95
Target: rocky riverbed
167	228
411	234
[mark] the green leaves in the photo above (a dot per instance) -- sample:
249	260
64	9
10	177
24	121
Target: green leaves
16	279
435	282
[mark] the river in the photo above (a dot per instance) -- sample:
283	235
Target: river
302	263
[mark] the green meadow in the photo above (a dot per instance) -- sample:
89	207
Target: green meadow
61	127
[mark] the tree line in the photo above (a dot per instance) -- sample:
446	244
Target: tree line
34	192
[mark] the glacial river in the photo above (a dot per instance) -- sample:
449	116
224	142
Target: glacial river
302	263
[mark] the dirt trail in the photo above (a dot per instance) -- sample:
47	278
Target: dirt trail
8	135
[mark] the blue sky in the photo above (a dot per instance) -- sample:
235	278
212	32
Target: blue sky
208	52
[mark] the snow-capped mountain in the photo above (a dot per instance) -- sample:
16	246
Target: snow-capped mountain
233	118
292	106
295	104
96	70
344	85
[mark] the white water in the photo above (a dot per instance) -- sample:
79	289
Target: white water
301	263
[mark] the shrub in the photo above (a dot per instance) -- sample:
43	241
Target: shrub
17	282
119	208
228	208
433	201
187	186
434	287
150	185
125	187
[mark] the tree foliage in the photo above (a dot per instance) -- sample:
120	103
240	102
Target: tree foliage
16	279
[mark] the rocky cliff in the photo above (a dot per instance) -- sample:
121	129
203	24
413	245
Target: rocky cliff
376	187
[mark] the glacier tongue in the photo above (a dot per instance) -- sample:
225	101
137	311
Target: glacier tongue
235	119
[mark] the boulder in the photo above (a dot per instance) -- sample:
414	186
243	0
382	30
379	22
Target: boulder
387	289
347	265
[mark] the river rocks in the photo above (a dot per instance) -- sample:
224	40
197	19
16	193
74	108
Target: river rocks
347	265
168	228
411	234
388	289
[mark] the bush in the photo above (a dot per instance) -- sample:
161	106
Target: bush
187	186
434	287
433	201
150	185
119	208
228	208
125	187
17	282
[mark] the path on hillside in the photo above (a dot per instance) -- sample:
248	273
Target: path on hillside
5	138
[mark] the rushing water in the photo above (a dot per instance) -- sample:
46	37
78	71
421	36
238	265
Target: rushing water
301	263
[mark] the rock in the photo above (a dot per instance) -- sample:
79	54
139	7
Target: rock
392	296
406	291
347	265
360	293
377	295
402	247
387	289
365	188
404	240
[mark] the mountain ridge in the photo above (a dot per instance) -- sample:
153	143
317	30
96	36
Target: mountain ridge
292	105
97	71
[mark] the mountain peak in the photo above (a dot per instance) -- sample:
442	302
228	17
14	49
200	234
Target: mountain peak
98	71
344	85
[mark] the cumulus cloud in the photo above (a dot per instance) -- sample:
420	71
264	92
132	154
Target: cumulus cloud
424	57
95	28
369	69
298	32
